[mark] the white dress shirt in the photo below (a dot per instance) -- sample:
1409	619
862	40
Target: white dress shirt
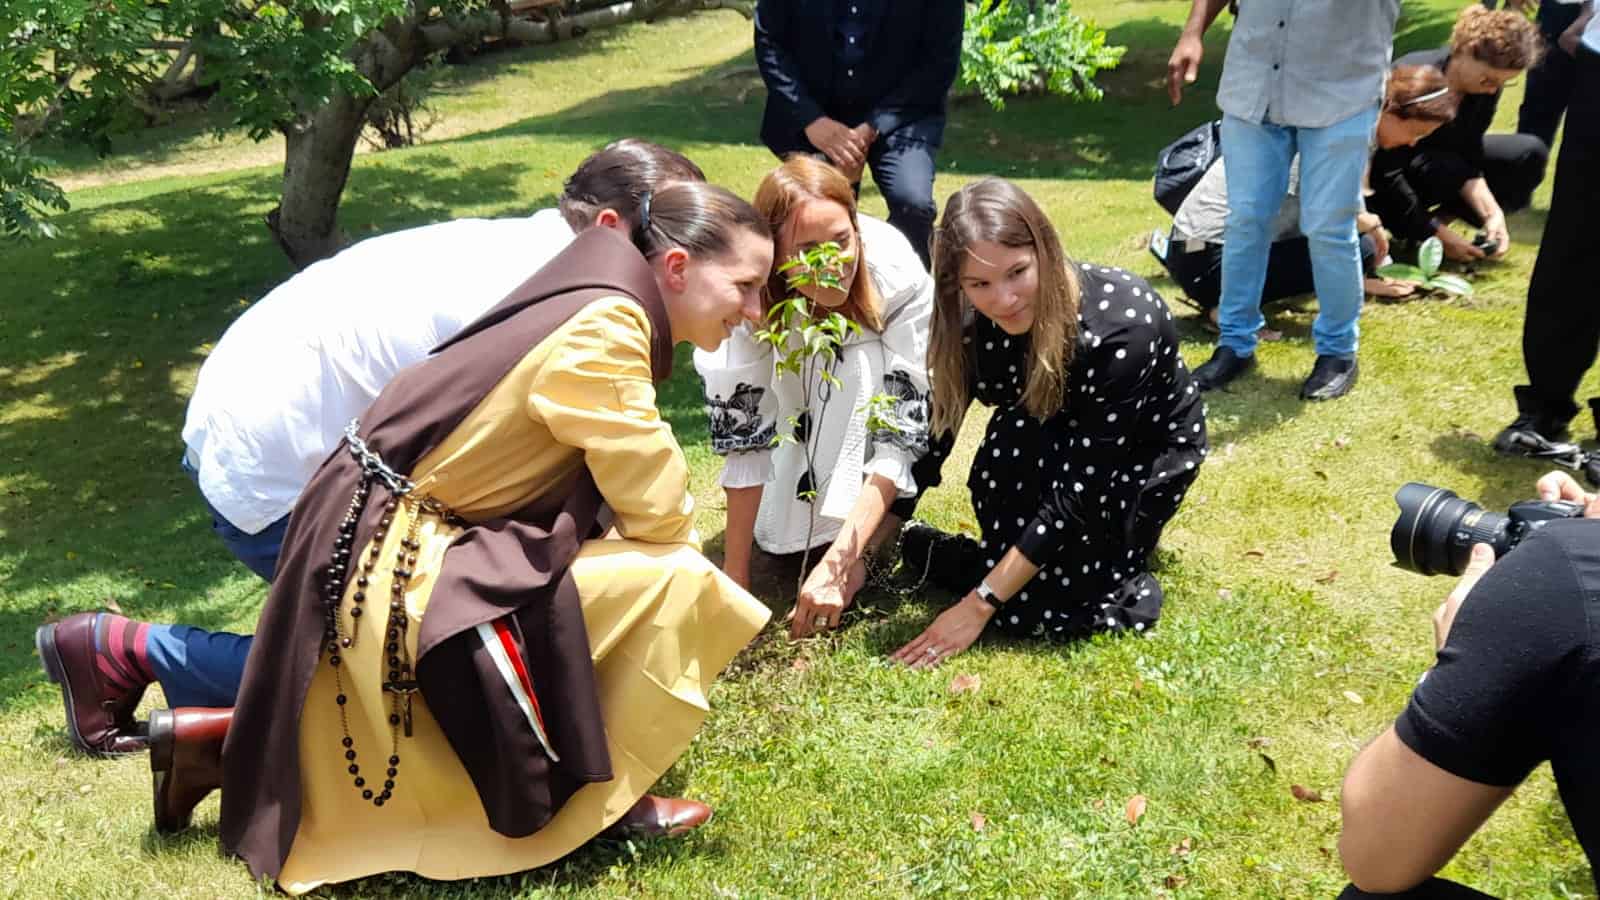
274	396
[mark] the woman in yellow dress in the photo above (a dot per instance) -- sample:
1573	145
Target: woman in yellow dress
492	629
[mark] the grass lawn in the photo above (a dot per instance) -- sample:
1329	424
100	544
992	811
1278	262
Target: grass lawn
1288	641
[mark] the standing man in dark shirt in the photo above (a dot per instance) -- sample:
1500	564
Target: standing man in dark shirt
1517	683
1461	171
863	82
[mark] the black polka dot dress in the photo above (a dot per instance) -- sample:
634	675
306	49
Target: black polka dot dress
1085	493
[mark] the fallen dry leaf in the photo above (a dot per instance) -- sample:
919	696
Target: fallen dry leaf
1099	803
1328	578
1271	763
979	821
1256	743
1183	847
112	605
1175	881
1353	697
1134	811
1224	594
1305	794
1341	442
965	684
1256	554
1138	684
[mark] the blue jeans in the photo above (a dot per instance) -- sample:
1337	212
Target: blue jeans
259	552
1332	160
197	667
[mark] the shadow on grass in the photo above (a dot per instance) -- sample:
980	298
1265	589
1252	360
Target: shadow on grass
101	333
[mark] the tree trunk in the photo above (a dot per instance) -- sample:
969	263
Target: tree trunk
319	147
316	165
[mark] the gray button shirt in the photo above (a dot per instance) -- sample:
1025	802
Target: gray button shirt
1307	63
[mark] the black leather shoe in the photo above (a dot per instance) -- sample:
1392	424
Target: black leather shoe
1223	367
1535	437
1331	378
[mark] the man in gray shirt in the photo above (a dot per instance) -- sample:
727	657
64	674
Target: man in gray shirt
1307	77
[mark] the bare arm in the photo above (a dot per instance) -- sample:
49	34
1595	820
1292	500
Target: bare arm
1184	65
829	587
1481	200
737	538
1389	793
957	627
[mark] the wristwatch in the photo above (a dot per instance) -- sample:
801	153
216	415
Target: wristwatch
986	594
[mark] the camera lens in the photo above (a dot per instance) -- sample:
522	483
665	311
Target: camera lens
1436	530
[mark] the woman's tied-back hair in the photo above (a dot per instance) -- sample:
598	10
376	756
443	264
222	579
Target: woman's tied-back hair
616	176
1501	38
698	217
1421	93
782	192
995	210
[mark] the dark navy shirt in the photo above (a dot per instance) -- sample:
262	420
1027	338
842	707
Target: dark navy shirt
857	20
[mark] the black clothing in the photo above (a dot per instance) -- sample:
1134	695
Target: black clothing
1085	493
1518	680
889	63
909	57
1561	328
1551	79
1410	183
1199	272
1432	889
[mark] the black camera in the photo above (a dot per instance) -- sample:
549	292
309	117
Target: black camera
1436	529
1488	245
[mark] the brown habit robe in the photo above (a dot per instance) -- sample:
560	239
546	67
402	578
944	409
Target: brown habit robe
513	566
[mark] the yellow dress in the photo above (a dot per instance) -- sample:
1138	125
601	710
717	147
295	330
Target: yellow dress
662	620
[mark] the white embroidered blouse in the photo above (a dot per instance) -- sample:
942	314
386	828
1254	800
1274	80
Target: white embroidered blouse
749	405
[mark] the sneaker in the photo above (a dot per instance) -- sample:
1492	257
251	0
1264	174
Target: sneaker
1223	366
1535	437
1331	378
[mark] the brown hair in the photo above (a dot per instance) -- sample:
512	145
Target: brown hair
1501	38
698	217
995	210
801	178
617	175
1422	93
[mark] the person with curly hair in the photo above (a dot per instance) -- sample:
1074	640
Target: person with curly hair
1461	172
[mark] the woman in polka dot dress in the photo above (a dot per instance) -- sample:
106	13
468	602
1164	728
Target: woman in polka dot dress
1097	430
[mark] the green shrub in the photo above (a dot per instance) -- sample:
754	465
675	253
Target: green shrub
1031	46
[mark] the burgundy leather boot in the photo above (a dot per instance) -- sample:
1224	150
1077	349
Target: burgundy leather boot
656	816
186	760
99	708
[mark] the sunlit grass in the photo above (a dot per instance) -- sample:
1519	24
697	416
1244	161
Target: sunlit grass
1288	639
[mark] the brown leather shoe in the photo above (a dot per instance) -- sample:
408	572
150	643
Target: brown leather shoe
656	816
185	761
99	713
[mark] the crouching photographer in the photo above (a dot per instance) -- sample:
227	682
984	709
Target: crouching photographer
1516	683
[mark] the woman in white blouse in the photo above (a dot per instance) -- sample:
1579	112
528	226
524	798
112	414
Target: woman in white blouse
862	483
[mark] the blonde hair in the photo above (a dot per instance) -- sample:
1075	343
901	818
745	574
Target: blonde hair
997	211
1501	38
802	178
